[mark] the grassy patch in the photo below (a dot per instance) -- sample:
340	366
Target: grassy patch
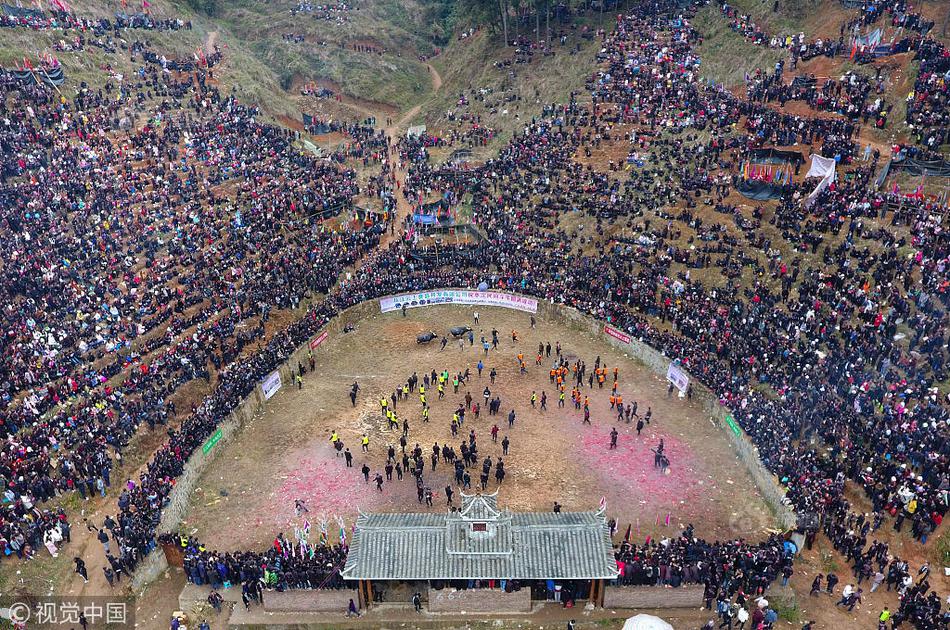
829	564
788	612
726	56
467	66
39	576
941	549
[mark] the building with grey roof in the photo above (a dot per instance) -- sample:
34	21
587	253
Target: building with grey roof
480	541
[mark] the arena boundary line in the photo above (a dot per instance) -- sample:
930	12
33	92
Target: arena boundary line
155	563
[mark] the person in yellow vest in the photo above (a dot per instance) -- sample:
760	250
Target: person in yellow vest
441	390
405	391
534	398
364	442
422	389
334	437
383	403
425	413
422	399
560	399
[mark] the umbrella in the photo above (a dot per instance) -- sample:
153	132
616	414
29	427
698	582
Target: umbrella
646	622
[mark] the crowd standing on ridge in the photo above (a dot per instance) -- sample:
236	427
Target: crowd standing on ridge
162	262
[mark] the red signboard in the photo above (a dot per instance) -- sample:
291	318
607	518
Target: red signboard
616	333
320	339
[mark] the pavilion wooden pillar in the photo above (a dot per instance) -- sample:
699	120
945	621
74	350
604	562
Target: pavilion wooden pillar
596	593
365	591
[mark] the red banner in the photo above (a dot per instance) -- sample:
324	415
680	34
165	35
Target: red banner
320	339
616	333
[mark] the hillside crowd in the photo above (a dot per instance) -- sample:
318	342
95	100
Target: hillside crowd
139	260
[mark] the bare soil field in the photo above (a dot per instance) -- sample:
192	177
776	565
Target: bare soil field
247	494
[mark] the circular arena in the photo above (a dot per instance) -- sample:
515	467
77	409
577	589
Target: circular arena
469	314
284	454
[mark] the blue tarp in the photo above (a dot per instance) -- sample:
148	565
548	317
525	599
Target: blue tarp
425	219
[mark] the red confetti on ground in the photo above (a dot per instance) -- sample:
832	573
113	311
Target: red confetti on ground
629	472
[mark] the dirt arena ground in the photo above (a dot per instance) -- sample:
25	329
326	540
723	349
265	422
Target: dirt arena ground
247	494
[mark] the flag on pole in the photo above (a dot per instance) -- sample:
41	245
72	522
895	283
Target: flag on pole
603	503
342	531
626	536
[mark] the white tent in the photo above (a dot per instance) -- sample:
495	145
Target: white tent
825	169
646	622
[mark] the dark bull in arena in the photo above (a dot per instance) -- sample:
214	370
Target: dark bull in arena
426	337
458	331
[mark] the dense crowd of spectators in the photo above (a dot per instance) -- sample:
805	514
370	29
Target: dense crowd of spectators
140	258
144	237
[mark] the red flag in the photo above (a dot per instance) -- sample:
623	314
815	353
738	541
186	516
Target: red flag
626	536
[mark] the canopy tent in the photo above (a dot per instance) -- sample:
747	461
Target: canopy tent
804	82
871	39
825	169
22	12
458	156
646	622
929	168
52	76
435	213
415	131
775	156
759	190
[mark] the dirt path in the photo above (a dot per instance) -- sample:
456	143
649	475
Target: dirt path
210	42
436	77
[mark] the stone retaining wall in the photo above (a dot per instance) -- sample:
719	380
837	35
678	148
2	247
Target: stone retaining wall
653	597
330	600
483	600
